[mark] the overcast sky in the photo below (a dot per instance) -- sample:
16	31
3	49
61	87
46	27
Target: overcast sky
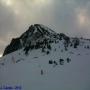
69	16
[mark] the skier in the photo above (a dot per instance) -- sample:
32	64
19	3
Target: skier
13	60
68	60
41	72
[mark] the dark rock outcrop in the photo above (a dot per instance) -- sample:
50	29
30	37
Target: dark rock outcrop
35	37
14	45
40	36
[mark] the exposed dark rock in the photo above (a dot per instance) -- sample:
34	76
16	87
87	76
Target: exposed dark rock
37	36
61	61
68	60
76	42
14	45
40	37
50	62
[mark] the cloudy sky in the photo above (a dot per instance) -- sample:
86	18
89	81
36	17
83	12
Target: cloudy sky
69	16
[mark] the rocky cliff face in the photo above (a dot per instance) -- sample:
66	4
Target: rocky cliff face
36	33
39	36
14	45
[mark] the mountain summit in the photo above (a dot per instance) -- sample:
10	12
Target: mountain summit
39	36
35	34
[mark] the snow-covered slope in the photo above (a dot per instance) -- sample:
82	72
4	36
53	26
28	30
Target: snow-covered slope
59	63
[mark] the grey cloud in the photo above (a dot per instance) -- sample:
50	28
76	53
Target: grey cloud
8	26
60	15
65	16
82	2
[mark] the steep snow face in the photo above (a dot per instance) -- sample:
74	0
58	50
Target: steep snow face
60	69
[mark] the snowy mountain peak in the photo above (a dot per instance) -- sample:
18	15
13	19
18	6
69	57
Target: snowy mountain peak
35	33
41	37
38	29
46	60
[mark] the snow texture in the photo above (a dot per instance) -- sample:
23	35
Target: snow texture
59	70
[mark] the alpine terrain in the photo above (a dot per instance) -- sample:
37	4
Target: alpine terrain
41	59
